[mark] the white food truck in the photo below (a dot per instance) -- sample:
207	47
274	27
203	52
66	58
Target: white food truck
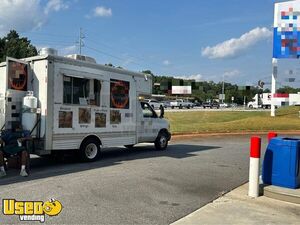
72	103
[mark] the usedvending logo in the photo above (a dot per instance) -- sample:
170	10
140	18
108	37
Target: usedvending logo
31	210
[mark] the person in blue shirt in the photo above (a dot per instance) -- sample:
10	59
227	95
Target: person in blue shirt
10	144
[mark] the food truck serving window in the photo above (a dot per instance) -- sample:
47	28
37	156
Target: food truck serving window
81	91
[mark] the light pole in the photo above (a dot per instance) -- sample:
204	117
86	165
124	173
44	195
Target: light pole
223	90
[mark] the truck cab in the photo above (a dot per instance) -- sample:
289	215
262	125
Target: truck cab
151	127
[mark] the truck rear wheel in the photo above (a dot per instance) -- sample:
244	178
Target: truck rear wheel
161	142
90	150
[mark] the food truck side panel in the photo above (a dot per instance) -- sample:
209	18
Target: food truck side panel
74	120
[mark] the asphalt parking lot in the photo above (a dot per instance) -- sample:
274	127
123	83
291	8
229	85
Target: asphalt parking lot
139	186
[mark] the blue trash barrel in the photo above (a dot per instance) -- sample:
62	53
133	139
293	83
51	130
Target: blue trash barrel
281	163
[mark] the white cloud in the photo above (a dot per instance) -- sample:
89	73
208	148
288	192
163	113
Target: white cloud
235	46
196	77
101	11
166	62
55	5
21	15
232	73
72	49
26	15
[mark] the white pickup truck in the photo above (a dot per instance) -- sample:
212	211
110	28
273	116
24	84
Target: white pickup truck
180	103
154	103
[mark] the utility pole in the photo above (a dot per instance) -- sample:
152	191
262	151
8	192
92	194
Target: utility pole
223	90
81	37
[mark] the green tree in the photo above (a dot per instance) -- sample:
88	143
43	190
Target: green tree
287	90
12	45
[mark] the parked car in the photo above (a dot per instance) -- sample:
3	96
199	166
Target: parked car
211	105
224	105
154	103
233	105
180	103
197	104
167	104
215	105
206	105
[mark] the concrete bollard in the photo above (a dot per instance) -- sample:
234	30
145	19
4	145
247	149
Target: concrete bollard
271	135
254	168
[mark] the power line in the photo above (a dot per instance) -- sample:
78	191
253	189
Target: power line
104	53
58	40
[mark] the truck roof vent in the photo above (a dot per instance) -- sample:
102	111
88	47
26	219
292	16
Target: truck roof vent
82	58
47	51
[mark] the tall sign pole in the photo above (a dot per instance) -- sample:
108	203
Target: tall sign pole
273	89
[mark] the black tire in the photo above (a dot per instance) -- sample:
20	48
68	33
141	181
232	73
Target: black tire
188	107
90	150
180	107
128	146
251	106
161	142
172	107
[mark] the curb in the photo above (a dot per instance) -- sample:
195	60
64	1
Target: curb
191	135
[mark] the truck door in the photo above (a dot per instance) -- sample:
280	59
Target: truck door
147	123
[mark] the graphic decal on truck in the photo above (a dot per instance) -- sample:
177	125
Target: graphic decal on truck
84	115
115	117
100	120
65	119
119	94
17	75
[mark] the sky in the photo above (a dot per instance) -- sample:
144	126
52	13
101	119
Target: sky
197	39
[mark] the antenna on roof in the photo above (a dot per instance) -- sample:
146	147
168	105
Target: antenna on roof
80	42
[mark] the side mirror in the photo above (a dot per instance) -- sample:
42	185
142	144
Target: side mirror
162	111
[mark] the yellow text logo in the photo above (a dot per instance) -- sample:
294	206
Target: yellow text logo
31	210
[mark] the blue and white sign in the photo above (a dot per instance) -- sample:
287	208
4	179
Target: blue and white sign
287	30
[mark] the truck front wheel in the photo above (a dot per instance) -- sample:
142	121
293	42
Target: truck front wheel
90	150
161	142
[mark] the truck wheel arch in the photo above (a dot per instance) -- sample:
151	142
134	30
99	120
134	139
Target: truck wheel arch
162	139
164	130
90	136
90	148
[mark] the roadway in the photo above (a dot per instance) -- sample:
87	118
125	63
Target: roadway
139	186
